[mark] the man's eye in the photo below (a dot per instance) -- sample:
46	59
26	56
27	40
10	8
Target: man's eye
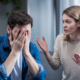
26	31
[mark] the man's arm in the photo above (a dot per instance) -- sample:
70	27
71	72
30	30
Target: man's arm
17	45
7	66
3	72
10	62
32	64
42	72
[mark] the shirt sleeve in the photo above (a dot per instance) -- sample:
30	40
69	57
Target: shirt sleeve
3	72
42	72
56	61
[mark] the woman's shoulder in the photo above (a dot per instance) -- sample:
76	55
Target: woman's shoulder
60	36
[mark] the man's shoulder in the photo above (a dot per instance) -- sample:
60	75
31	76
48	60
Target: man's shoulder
1	39
32	46
1	43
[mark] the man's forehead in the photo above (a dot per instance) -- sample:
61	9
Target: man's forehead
23	27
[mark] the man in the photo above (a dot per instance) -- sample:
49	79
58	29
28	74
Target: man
17	53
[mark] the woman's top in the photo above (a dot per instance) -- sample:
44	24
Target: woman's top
63	53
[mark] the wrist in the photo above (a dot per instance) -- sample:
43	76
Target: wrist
46	53
15	53
27	53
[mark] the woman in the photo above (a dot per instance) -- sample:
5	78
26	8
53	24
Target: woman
67	45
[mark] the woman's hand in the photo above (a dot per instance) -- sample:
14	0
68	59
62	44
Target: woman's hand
43	45
76	58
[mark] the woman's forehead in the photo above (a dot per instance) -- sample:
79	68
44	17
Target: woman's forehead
66	17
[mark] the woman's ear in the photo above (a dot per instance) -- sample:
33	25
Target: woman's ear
8	29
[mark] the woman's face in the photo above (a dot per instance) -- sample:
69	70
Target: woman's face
69	25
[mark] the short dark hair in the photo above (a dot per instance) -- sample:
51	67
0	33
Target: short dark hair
20	18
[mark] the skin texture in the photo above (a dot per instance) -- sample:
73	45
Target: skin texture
70	28
19	39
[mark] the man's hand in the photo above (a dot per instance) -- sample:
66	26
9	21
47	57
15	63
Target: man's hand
32	64
25	49
18	42
17	45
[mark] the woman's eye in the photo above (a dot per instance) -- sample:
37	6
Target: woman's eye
63	21
68	21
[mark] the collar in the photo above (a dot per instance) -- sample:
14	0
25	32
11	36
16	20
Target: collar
6	42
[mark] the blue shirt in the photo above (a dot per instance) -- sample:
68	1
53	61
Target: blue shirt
5	50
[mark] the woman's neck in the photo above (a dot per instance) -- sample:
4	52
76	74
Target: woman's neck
75	36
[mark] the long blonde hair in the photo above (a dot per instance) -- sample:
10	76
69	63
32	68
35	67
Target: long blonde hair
73	12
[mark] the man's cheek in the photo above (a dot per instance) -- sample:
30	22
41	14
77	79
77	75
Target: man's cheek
12	36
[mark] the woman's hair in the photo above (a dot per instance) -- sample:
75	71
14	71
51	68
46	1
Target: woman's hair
73	12
20	18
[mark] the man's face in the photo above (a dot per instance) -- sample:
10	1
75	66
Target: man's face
18	27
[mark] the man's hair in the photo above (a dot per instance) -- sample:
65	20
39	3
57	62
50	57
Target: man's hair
20	18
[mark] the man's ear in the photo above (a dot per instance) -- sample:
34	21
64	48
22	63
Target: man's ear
79	23
8	29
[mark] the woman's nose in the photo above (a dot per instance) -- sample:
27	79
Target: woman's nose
64	25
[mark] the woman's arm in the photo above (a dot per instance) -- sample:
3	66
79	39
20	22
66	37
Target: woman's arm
54	60
44	47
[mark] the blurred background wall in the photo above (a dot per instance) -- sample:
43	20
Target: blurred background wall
7	7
